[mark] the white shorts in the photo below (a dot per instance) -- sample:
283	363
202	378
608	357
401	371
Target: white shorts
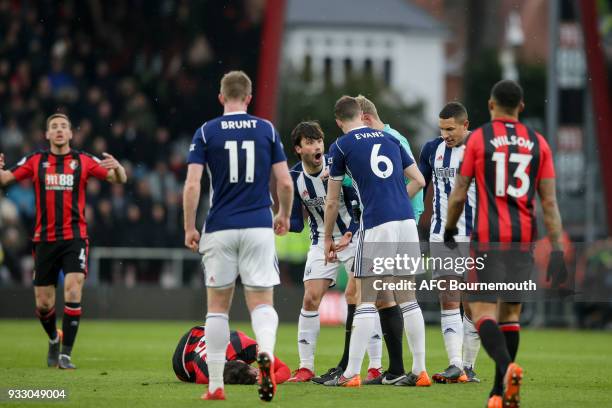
437	249
315	263
378	249
248	252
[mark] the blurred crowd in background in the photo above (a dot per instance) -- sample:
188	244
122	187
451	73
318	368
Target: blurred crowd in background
135	85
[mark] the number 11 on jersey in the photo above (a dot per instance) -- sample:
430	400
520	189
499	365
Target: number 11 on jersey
249	146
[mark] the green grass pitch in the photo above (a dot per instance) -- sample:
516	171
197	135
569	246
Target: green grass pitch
127	364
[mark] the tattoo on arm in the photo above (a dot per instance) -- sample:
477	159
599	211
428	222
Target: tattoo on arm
552	216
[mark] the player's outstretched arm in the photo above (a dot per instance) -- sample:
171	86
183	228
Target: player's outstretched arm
116	173
417	181
284	189
282	372
191	198
6	177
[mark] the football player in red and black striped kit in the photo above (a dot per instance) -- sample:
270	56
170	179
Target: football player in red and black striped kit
189	359
60	238
510	163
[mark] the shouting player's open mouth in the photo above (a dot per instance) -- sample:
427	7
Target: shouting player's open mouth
318	157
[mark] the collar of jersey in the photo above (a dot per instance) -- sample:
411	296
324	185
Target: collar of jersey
318	174
235	113
505	120
59	155
359	127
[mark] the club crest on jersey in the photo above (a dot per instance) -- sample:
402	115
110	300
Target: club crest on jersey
73	164
46	165
305	194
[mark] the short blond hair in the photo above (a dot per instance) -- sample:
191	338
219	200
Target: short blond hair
236	85
58	115
367	106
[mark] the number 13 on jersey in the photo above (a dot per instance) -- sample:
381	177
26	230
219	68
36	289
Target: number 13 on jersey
520	173
249	147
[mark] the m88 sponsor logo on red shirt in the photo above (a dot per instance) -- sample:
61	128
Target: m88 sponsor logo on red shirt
62	182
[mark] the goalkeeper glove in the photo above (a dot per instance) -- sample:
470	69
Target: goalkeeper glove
449	237
557	271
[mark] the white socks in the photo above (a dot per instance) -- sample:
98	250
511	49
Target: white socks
471	343
217	337
452	332
375	345
309	326
264	321
414	326
363	326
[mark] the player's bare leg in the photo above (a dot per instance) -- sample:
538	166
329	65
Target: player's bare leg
73	290
309	326
217	337
45	311
414	326
471	343
264	321
452	333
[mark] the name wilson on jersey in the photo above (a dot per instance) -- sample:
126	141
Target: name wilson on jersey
513	140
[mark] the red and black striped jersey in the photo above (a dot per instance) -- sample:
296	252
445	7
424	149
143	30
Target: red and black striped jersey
60	183
193	353
508	160
189	359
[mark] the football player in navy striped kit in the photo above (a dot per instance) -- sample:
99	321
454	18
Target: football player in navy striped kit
439	163
310	190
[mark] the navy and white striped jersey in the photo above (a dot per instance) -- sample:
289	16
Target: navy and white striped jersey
439	164
238	151
310	192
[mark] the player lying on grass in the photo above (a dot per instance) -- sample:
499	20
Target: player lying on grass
189	359
310	190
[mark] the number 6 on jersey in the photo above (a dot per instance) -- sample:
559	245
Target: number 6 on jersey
376	159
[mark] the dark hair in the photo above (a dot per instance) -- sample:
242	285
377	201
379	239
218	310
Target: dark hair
346	108
306	130
238	372
508	94
453	110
